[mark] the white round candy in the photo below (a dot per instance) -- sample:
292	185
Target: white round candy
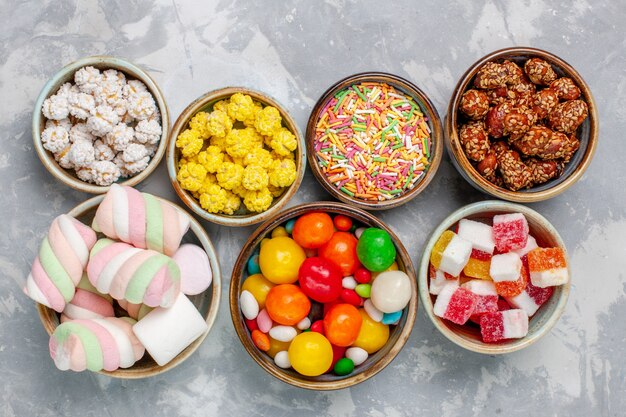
349	283
374	313
357	355
391	291
249	305
282	359
283	333
303	324
358	232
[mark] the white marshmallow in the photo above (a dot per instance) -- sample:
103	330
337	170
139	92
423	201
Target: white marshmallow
480	287
480	235
531	244
505	267
439	281
524	302
550	277
455	256
515	324
165	332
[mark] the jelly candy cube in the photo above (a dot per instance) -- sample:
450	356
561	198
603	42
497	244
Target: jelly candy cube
451	253
440	246
486	295
455	304
547	267
505	267
531	298
480	235
480	255
503	305
476	268
500	325
510	231
531	244
439	279
513	288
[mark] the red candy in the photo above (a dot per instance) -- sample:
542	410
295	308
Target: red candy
341	249
320	279
510	231
338	353
461	306
318	326
251	324
503	305
480	255
362	276
342	223
351	297
491	327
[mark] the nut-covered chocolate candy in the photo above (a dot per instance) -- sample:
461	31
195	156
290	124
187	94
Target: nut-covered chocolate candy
544	171
567	116
491	75
495	119
515	173
487	167
546	144
475	140
518	121
539	71
475	104
514	73
544	102
565	88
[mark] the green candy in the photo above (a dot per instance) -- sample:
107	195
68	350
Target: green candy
344	366
375	249
364	290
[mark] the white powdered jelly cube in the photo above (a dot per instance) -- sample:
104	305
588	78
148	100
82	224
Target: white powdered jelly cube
515	324
505	267
481	287
439	280
455	256
443	300
480	235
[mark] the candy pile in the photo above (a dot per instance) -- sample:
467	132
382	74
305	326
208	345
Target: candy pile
104	127
322	293
372	141
519	126
78	275
495	276
238	151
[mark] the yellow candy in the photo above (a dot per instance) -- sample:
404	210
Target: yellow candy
279	231
476	268
373	335
258	286
440	246
280	259
277	346
310	354
392	267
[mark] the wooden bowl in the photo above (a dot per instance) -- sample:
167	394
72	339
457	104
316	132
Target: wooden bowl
587	132
242	217
376	362
427	107
66	74
207	302
544	319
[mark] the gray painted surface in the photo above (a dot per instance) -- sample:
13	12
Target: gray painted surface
294	51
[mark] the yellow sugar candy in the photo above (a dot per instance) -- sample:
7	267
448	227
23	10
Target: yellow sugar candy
476	268
440	246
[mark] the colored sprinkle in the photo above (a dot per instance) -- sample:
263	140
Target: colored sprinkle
372	141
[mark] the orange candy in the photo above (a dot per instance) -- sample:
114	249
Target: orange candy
477	268
342	324
341	249
261	340
313	230
287	304
513	288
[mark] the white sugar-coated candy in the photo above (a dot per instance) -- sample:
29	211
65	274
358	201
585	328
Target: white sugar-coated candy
249	305
505	267
357	355
455	256
439	281
480	235
358	232
304	324
525	302
391	291
480	287
165	332
282	359
283	333
374	313
349	283
443	300
264	321
531	244
515	323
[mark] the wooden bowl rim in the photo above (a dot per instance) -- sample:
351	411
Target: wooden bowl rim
120	64
436	138
460	161
236	279
475	346
190	201
46	313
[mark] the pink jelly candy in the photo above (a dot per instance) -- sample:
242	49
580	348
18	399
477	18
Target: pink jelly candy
486	295
500	325
531	298
510	231
455	304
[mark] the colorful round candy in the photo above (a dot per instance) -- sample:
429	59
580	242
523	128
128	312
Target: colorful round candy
253	265
287	304
391	291
344	366
375	249
310	354
320	279
280	258
342	324
372	336
313	230
258	286
341	249
342	223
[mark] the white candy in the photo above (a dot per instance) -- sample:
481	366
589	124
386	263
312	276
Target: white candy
505	267
455	256
531	244
480	235
64	123
102	151
55	107
349	283
549	278
374	313
102	120
439	281
134	87
165	332
443	300
391	291
88	79
63	159
283	333
136	157
524	302
105	173
80	132
515	323
357	355
119	137
358	232
81	154
81	105
148	132
141	105
304	324
480	287
249	305
55	139
282	359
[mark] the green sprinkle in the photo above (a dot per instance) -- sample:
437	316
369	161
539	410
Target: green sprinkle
324	150
392	192
399	145
380	159
346	191
391	126
426	147
408	180
324	163
359	129
341	157
359	93
339	100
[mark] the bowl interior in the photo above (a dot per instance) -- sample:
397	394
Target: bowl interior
207	302
426	107
375	362
66	74
242	216
586	133
468	335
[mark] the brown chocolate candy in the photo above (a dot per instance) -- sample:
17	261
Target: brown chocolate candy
567	116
